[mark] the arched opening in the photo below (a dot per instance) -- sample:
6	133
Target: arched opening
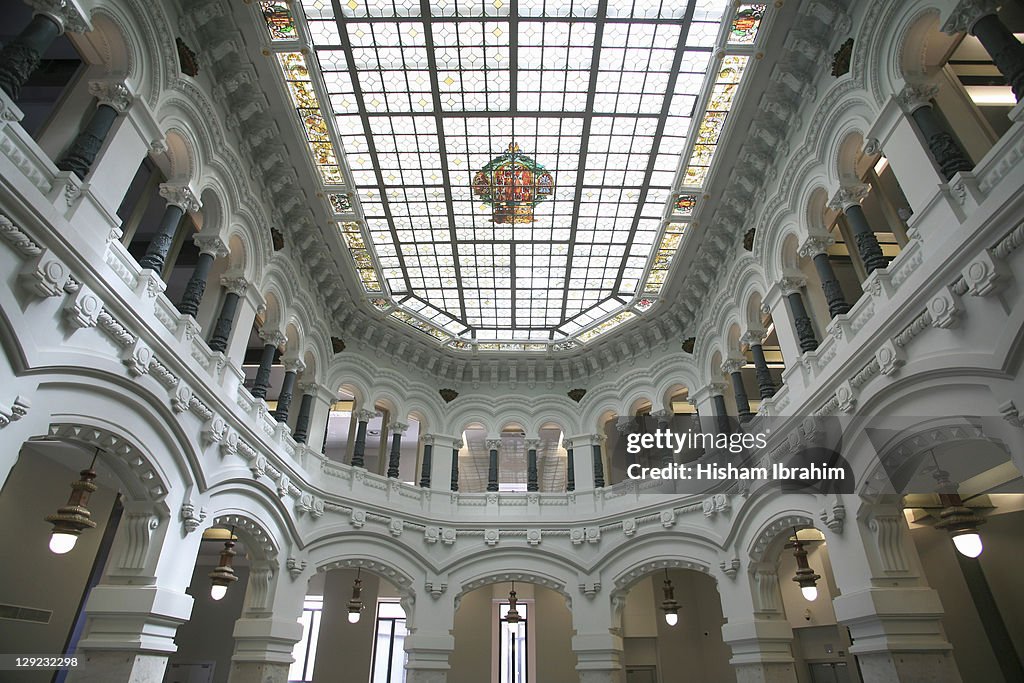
366	644
689	649
973	99
536	647
341	426
44	593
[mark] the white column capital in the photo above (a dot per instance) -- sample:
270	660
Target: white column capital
234	283
815	244
295	365
397	427
68	14
732	365
624	424
753	336
364	415
532	444
663	416
966	14
708	391
848	196
181	196
113	93
211	244
792	284
916	95
458	445
272	336
493	444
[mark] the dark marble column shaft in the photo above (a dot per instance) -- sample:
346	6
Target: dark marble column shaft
79	157
395	457
226	319
160	246
262	382
302	422
1006	51
21	56
284	399
802	322
947	152
428	457
359	446
765	385
830	285
193	296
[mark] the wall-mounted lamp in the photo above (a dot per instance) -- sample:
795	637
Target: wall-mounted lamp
223	575
70	520
355	605
805	576
669	604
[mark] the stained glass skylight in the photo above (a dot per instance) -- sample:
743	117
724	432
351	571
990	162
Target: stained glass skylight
580	108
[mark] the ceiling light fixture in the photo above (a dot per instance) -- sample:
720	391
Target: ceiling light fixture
962	524
513	614
71	519
223	575
805	576
669	604
355	605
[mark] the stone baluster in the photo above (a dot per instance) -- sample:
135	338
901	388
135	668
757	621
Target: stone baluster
272	341
816	247
211	247
791	287
394	459
979	18
179	200
847	200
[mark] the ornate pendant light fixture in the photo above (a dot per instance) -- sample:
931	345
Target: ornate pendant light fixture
669	605
805	576
513	614
223	576
959	520
71	519
355	605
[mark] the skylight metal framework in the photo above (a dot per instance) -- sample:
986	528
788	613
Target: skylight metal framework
423	95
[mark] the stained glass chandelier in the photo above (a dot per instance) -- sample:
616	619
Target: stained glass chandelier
513	184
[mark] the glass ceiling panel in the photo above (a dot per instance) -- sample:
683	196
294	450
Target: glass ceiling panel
511	172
